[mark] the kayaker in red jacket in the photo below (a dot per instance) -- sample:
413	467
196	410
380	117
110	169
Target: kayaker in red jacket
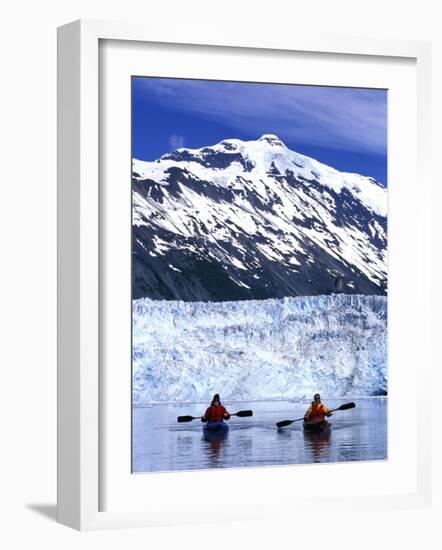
216	412
317	410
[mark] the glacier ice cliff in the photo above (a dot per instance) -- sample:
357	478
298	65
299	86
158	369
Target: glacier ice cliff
259	349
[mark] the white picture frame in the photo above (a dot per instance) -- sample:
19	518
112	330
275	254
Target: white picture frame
80	445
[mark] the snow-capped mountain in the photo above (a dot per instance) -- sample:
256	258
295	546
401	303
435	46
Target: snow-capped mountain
253	220
259	349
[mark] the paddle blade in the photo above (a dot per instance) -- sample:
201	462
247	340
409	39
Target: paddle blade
284	423
346	406
185	418
244	413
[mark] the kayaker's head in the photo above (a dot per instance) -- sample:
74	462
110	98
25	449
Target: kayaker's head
216	400
317	398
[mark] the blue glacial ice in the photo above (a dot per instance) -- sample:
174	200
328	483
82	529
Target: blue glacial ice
285	348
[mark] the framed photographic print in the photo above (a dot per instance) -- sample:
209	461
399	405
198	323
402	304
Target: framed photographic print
234	248
258	272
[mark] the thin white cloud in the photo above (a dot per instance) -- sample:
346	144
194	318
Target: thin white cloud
341	118
176	141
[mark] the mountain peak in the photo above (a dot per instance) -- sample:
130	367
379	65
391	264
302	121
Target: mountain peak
272	139
242	220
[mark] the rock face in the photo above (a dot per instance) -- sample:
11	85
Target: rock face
254	220
259	349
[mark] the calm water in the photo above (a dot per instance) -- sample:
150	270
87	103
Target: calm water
161	444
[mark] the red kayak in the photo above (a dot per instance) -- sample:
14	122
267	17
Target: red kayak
317	425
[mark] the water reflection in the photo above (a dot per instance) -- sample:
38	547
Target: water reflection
160	444
214	443
244	453
284	433
318	443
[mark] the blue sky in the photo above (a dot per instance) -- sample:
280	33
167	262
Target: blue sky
343	127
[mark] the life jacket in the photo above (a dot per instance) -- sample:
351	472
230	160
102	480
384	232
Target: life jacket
318	411
215	413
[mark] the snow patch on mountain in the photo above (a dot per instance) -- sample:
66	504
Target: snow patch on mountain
259	349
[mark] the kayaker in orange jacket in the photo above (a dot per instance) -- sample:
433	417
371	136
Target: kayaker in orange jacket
216	412
317	410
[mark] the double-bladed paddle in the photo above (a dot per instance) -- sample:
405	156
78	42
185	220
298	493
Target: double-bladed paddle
285	423
241	414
